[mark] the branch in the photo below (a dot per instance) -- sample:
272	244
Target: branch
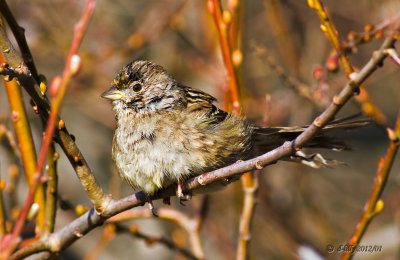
82	225
19	35
214	7
59	87
300	88
223	20
250	192
327	26
52	191
134	231
63	137
375	205
283	38
24	136
191	226
2	212
370	31
108	234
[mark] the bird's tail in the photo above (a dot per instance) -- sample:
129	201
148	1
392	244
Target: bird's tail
266	139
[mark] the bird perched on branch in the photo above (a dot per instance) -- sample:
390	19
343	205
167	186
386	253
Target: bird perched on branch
167	132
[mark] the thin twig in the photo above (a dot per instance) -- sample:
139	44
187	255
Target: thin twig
189	225
2	212
25	141
19	34
249	203
108	234
48	136
327	26
301	88
10	139
51	193
85	223
63	137
214	7
223	20
134	231
370	31
281	33
375	205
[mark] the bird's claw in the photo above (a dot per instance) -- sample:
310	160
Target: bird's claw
151	207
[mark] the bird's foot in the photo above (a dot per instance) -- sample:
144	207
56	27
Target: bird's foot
182	197
151	206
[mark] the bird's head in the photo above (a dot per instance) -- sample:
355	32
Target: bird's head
143	87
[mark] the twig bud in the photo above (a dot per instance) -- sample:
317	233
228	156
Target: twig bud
136	40
7	78
323	28
2	184
226	17
392	135
80	210
133	229
32	211
332	63
233	4
13	171
318	72
369	28
61	124
75	65
311	4
55	86
210	6
43	88
379	206
14	115
237	57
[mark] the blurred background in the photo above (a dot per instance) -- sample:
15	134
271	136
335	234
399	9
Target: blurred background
298	207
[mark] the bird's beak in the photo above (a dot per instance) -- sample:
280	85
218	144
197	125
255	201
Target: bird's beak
112	94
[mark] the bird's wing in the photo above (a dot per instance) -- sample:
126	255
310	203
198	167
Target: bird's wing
200	101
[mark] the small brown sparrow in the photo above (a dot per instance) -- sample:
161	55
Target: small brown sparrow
167	132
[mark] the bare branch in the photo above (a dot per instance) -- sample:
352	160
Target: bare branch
374	205
82	225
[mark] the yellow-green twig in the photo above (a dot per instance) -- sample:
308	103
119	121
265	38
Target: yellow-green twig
327	26
25	141
2	214
374	205
51	193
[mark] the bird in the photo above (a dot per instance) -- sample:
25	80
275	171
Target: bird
167	132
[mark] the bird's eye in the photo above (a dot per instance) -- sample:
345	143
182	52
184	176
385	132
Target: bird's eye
137	87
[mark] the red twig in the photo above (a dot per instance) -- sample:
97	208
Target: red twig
58	88
214	6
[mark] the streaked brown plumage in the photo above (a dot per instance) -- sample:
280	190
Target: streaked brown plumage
167	132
